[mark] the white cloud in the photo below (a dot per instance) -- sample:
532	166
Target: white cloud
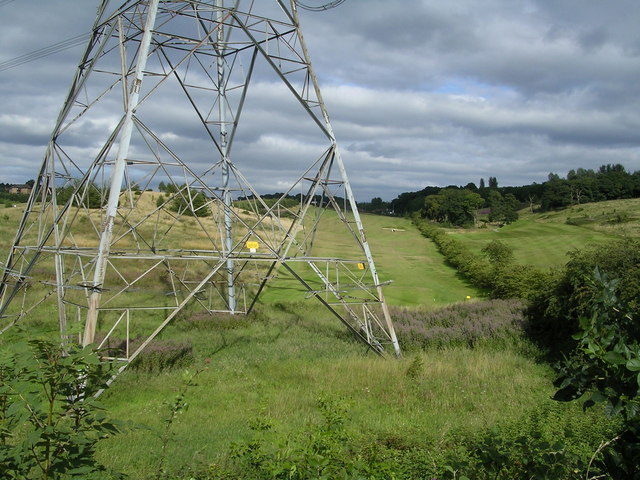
419	92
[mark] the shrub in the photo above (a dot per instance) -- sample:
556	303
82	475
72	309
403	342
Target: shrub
323	450
157	356
458	324
606	367
566	295
162	355
50	423
191	202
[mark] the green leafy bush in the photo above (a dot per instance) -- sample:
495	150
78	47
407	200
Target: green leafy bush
568	294
50	423
605	369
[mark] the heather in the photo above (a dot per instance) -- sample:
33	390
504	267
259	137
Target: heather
460	324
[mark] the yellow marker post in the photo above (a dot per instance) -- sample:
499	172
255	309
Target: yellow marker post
252	246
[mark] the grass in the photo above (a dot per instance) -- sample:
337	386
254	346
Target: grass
418	273
276	363
544	239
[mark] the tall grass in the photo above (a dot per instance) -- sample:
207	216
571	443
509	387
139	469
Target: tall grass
276	364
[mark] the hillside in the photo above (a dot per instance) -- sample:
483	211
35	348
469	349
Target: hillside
263	376
543	239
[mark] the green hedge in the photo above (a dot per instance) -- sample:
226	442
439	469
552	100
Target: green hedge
497	275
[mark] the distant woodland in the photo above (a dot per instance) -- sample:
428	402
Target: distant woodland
461	205
457	204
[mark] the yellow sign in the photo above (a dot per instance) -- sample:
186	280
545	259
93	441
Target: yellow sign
253	245
361	266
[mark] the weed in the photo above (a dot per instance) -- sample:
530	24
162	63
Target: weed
175	408
49	421
459	324
325	450
162	355
415	368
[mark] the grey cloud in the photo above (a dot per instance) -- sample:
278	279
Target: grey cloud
419	92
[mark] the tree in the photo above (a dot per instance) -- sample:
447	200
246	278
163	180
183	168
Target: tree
555	194
191	203
88	195
510	208
433	208
495	201
493	182
50	422
503	209
456	206
377	204
482	183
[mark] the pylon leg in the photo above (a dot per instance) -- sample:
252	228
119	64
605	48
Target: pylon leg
99	236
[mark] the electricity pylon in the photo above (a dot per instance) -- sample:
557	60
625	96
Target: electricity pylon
160	91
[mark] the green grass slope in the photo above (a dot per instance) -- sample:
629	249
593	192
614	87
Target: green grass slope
418	273
543	239
277	365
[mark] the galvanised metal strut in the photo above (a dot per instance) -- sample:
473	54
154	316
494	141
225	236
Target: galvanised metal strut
157	101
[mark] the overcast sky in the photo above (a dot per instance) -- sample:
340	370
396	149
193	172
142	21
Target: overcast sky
419	92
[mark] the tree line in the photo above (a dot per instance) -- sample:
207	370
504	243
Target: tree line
458	205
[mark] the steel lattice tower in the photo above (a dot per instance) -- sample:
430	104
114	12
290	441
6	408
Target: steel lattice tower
116	258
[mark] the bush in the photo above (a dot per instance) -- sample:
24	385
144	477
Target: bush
566	295
548	443
158	355
606	367
50	423
325	450
190	202
458	324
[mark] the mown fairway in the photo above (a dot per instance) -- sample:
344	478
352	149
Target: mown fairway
544	239
418	273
